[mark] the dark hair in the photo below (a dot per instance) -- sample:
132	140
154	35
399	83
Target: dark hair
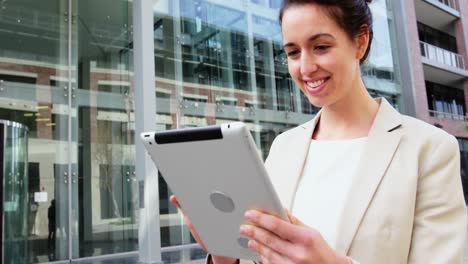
350	15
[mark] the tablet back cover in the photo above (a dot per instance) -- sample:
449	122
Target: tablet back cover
216	174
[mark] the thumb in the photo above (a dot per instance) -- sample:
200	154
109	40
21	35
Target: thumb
173	200
293	219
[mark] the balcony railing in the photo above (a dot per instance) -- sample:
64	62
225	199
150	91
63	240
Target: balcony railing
450	3
448	115
443	56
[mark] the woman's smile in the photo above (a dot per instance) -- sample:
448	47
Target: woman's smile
316	86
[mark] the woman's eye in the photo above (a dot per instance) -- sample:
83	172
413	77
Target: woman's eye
292	53
322	47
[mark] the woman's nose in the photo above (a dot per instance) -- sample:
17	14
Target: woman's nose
308	64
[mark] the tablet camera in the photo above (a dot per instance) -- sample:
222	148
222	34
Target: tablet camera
243	242
222	202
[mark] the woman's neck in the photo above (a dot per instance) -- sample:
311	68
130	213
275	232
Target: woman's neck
351	117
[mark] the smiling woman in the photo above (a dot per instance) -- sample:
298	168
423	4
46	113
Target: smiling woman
341	172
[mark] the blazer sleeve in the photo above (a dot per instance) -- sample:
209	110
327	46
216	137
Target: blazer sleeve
439	226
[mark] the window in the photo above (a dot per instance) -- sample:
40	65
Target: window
444	99
463	143
437	38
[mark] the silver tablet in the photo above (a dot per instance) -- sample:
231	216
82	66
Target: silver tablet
216	174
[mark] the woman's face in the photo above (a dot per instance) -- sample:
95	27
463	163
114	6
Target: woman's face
322	59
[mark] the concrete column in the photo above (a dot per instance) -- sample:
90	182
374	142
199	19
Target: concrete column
461	29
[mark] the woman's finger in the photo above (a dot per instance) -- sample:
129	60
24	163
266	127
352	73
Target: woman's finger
283	229
284	248
293	219
267	238
267	254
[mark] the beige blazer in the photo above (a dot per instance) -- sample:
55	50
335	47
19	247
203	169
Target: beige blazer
406	204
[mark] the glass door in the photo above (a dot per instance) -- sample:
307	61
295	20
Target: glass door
14	145
104	187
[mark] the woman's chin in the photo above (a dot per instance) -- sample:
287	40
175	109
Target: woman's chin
317	101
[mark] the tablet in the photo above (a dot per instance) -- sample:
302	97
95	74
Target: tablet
216	174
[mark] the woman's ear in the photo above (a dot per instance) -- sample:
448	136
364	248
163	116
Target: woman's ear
362	41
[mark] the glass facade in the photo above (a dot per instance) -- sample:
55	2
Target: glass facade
66	72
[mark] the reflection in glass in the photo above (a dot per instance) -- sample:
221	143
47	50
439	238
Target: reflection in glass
33	84
379	72
14	166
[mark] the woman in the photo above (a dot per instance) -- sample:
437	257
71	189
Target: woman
369	185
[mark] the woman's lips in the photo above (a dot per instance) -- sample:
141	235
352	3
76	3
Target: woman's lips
317	89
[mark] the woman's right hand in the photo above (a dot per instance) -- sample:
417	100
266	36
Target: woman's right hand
215	259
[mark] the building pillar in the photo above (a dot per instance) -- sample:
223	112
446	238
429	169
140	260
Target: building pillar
461	30
149	239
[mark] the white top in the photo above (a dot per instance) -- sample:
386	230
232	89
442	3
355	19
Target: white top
325	183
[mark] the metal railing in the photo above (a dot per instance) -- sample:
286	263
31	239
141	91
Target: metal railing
446	115
443	56
449	3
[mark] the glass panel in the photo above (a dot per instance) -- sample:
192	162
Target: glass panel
34	92
104	183
380	72
170	101
15	194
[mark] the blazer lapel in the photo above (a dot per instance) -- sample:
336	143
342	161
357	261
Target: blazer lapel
383	140
295	153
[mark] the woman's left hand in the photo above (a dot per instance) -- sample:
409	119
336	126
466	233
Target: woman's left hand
278	241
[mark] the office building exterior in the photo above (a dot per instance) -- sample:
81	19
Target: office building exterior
438	66
85	77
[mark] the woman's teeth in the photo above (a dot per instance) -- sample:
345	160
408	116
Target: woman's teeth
316	83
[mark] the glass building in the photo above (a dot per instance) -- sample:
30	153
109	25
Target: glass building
75	73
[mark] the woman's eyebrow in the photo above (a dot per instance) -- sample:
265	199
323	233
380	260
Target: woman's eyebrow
312	38
319	35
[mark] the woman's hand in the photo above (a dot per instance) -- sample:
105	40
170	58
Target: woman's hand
215	259
278	241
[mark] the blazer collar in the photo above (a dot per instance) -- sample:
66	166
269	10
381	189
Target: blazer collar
383	139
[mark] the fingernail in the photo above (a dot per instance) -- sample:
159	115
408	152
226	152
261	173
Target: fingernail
244	230
252	245
250	215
